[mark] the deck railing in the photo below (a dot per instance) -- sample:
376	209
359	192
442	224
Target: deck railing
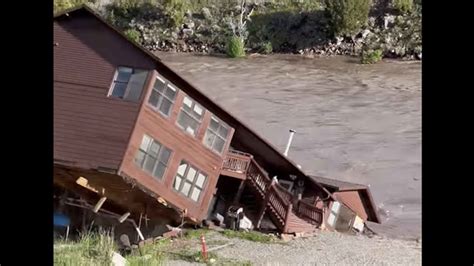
237	162
271	193
309	212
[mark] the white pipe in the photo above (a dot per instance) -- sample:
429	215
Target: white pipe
292	133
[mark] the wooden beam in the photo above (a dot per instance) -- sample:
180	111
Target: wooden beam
99	204
124	217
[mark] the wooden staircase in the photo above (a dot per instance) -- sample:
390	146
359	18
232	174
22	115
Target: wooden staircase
275	200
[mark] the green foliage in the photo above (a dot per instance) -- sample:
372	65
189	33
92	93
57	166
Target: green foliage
347	16
61	5
403	6
250	235
371	56
195	234
176	11
267	48
287	31
91	249
294	5
133	35
235	47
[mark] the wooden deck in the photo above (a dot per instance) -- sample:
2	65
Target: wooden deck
275	200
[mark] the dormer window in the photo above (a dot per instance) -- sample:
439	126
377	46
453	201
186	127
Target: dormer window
128	83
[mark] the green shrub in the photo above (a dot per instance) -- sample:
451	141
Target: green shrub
346	17
235	47
133	35
403	6
60	5
267	48
176	10
371	56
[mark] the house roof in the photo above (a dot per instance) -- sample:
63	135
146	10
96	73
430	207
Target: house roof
189	87
337	185
364	192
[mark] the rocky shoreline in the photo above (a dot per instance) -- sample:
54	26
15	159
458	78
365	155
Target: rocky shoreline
291	32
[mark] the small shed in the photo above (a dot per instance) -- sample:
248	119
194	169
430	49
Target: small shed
354	205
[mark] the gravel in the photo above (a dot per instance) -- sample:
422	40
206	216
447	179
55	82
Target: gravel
325	248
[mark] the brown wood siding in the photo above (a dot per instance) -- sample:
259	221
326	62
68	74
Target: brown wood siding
183	146
90	129
352	200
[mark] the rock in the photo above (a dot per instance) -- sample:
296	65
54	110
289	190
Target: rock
171	234
188	31
371	21
286	237
118	260
388	21
365	33
339	40
206	13
418	56
189	25
297	235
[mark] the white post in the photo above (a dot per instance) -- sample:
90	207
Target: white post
292	133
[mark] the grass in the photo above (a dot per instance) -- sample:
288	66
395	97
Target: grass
90	249
97	249
250	235
195	234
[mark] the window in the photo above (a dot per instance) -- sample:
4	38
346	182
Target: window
333	214
216	135
190	116
162	96
189	181
152	157
128	83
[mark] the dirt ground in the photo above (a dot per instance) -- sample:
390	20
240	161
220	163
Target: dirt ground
359	123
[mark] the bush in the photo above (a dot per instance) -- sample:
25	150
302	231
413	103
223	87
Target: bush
60	5
133	35
371	56
235	47
403	6
267	48
346	17
176	10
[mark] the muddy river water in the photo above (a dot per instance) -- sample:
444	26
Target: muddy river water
358	123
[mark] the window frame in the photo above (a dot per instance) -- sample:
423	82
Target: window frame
127	88
193	184
182	109
157	158
221	123
160	100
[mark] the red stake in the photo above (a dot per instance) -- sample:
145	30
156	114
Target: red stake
204	249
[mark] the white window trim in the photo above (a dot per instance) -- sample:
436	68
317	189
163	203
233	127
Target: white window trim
127	89
160	101
226	139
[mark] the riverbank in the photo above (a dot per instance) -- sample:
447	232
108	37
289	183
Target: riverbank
290	27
